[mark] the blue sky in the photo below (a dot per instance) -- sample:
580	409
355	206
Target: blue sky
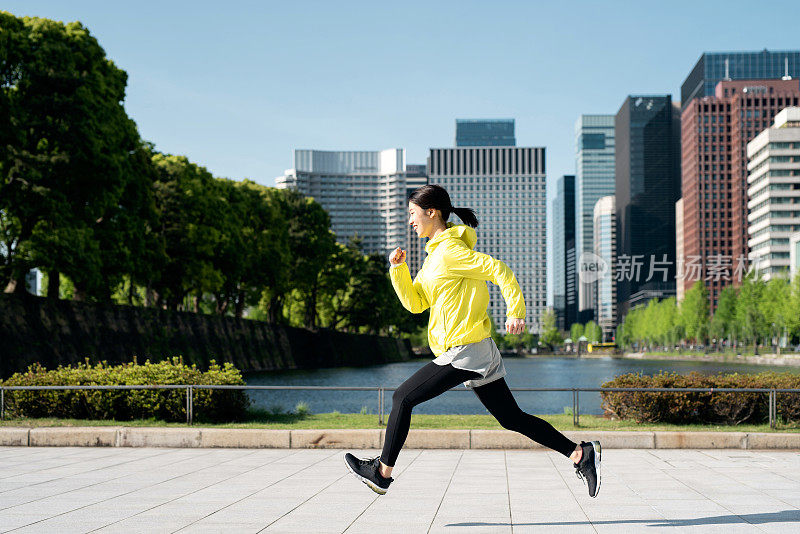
236	86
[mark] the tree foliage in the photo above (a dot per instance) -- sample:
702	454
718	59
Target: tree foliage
106	217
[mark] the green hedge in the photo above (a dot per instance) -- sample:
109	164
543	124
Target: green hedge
690	407
126	405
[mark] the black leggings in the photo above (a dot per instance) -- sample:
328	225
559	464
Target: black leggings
433	380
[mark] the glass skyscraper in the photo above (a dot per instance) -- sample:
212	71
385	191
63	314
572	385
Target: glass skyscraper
479	132
565	293
713	67
594	179
648	184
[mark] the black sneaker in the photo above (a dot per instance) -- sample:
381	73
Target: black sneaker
368	472
588	468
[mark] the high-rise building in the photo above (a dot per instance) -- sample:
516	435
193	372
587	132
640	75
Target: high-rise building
363	192
794	255
605	247
594	178
774	193
647	164
506	188
714	67
565	292
680	251
715	131
485	132
416	177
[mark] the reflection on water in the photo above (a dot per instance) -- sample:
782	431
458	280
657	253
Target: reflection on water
522	372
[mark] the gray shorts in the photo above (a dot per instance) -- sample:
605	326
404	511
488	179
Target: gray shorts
482	357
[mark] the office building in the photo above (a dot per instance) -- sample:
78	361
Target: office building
363	192
506	188
594	179
715	131
480	132
605	247
774	193
794	255
416	177
647	165
565	292
680	252
714	67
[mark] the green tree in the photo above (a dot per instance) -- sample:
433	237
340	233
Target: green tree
68	156
593	332
723	324
193	218
551	336
575	331
694	313
667	322
748	312
774	307
253	249
311	245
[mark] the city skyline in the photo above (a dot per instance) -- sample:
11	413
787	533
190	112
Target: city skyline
238	90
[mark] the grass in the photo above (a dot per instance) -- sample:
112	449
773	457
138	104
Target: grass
270	420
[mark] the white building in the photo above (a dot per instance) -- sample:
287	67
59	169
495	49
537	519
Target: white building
506	188
604	227
794	255
774	193
364	193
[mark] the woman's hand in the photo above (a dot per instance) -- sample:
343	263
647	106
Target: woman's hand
397	256
515	326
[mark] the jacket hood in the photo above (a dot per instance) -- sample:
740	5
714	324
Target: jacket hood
454	231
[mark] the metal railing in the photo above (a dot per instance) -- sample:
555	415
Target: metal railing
381	391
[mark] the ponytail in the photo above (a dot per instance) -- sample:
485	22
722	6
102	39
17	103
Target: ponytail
467	215
435	197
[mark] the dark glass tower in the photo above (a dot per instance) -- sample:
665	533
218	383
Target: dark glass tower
476	132
711	68
565	291
647	186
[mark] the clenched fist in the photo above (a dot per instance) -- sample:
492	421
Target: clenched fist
397	256
515	326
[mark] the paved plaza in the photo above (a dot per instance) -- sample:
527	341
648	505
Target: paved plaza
94	489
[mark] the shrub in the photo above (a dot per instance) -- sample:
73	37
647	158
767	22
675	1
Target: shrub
731	408
126	405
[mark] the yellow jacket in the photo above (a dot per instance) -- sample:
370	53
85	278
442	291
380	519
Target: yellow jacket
452	283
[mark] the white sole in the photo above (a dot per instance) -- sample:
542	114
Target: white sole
371	485
597	453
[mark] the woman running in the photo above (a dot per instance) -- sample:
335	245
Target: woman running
452	283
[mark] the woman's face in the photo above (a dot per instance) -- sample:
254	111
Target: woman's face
421	220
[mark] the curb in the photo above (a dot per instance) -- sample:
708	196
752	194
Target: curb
373	438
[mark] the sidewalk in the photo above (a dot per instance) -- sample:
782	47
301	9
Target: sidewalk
198	436
56	489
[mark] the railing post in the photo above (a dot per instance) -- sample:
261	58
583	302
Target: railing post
577	407
189	405
771	415
380	405
2	403
574	406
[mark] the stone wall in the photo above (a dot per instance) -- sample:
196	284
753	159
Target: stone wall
35	329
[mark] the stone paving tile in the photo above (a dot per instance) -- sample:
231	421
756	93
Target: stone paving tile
69	490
